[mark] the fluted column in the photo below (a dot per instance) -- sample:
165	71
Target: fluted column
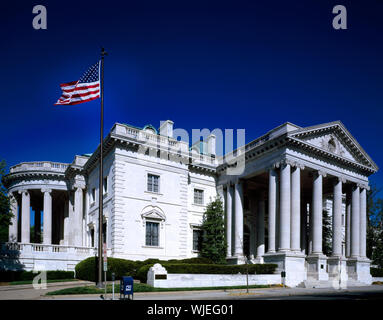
238	236
229	218
337	219
304	225
272	210
78	216
348	223
296	209
363	224
317	212
47	216
25	217
355	221
285	208
261	226
13	226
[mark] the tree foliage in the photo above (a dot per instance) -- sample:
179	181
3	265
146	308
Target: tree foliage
5	213
213	227
375	226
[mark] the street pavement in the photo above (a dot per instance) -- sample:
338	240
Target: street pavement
352	293
27	292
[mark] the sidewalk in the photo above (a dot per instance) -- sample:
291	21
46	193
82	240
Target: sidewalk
232	294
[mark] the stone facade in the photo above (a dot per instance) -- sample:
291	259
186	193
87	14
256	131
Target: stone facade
274	189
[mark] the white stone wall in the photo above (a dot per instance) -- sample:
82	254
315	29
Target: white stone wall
130	201
214	280
91	217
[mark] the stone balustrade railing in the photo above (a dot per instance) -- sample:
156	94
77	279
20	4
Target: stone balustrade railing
156	140
39	166
45	248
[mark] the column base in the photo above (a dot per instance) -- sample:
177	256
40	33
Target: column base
257	260
317	267
358	269
293	263
236	260
337	271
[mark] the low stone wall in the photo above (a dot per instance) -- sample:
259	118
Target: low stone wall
376	279
159	278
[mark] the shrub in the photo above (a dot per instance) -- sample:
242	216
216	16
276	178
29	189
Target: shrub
86	269
376	272
209	269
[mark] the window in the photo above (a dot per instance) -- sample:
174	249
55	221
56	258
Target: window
105	185
152	234
92	237
197	240
93	198
198	196
153	183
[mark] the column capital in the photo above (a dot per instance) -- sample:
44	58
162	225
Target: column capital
24	191
363	186
46	190
322	173
339	179
283	162
77	186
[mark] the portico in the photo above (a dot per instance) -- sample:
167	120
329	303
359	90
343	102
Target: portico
293	179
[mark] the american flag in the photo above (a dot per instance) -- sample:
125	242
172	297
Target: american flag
83	90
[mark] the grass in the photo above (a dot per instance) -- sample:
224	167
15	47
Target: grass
15	283
143	287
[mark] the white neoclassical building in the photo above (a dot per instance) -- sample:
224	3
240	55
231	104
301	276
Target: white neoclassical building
274	189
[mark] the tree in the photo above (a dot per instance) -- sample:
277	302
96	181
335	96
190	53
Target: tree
213	227
5	212
374	226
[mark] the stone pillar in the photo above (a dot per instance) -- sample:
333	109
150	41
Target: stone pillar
355	222
337	219
348	223
310	231
304	226
68	220
229	218
260	225
25	217
13	226
253	203
272	210
296	209
285	208
317	212
47	216
78	215
238	235
363	225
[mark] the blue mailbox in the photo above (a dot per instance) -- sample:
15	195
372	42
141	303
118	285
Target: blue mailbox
126	287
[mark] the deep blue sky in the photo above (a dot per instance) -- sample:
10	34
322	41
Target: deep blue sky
202	64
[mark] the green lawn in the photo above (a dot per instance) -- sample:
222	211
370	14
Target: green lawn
142	287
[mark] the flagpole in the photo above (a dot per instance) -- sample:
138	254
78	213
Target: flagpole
100	196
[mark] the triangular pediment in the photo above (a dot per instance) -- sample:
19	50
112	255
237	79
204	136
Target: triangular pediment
335	139
153	214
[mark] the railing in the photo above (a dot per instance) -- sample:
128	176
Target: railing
42	248
158	141
39	166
